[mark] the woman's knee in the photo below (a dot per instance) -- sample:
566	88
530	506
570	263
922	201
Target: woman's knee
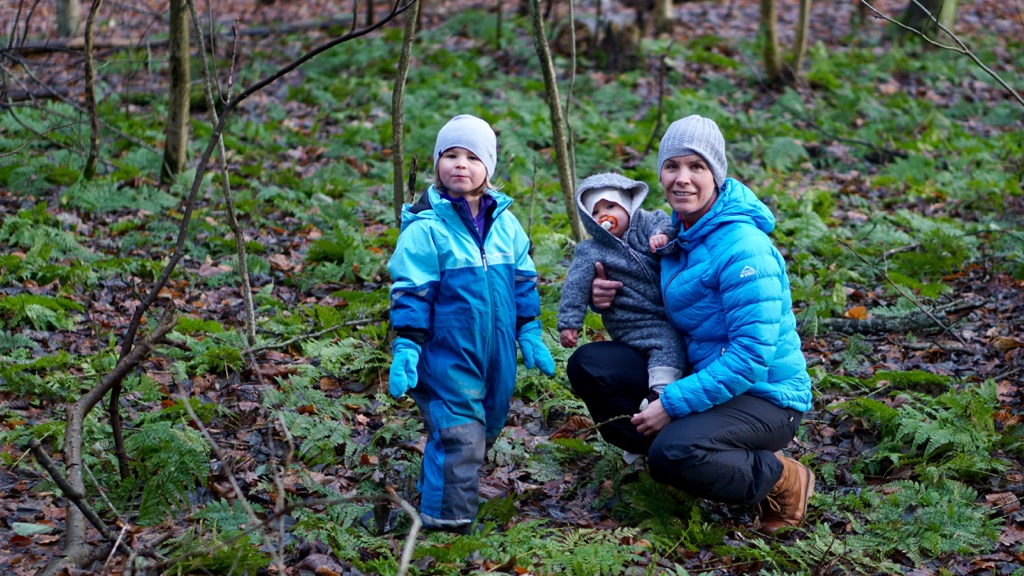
674	462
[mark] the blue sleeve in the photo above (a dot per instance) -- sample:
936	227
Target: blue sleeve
751	291
415	273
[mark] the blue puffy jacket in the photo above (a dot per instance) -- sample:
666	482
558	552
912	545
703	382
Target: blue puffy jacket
727	291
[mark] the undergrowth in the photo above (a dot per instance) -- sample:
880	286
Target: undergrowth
918	186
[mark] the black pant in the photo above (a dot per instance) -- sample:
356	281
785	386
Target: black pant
724	453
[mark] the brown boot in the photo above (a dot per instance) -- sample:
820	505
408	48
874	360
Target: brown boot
787	502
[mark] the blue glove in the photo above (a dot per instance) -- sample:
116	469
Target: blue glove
403	368
535	353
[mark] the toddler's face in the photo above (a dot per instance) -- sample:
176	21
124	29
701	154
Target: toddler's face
461	172
612	217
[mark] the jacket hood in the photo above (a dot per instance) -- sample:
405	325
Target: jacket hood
635	190
736	203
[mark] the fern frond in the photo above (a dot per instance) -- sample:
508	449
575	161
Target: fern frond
170	461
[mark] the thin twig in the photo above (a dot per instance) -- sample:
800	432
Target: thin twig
900	289
73	495
317	334
229	205
590	429
960	47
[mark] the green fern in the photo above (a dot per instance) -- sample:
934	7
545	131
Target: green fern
30	231
821	551
929	520
588	551
322	440
951	433
42	377
18	346
39	311
229	519
320	424
667	517
230	554
331	248
170	461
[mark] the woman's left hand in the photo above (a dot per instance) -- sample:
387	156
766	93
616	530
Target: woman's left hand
652	419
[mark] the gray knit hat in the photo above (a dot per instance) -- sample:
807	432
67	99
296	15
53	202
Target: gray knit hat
473	134
695	135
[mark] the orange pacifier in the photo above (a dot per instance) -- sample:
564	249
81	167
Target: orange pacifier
608	222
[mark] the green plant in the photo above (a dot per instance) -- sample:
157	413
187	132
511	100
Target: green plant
169	461
668	518
820	550
952	433
39	311
928	520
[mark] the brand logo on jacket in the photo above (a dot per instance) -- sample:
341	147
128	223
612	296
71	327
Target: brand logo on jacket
747	271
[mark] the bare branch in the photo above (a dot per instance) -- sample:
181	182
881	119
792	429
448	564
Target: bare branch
900	289
960	47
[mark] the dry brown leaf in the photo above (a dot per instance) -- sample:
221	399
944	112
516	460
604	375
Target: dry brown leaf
573	426
857	313
1004	344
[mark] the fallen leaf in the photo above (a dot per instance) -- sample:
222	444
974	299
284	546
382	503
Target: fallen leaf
857	313
573	426
1004	344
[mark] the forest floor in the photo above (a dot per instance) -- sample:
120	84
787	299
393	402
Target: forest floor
986	344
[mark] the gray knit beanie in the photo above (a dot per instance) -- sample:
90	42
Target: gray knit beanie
473	134
695	135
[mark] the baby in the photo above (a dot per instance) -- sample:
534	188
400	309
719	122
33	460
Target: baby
624	238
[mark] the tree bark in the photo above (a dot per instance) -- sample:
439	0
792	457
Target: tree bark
919	14
69	17
770	38
540	43
802	32
176	142
90	94
398	111
663	15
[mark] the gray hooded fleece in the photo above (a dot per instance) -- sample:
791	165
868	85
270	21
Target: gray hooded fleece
637	316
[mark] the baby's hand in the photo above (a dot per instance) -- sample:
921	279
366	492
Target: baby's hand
569	337
657	241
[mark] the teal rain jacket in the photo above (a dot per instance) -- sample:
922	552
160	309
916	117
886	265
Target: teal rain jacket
462	297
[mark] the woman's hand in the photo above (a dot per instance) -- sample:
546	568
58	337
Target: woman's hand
652	419
602	290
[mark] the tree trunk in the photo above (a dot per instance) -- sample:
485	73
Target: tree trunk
919	16
540	43
800	46
176	143
90	94
69	17
663	16
770	37
398	112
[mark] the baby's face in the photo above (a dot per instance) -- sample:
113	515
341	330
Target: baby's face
611	217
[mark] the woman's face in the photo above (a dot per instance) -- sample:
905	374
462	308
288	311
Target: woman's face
689	186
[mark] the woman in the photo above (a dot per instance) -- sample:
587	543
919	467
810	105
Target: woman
713	433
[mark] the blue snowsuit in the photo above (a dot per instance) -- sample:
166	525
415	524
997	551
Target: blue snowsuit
462	297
